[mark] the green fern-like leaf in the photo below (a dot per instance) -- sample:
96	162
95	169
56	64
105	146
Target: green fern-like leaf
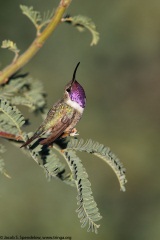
102	152
46	18
50	162
10	45
33	15
24	91
36	18
14	87
7	125
87	210
82	23
12	119
53	166
19	100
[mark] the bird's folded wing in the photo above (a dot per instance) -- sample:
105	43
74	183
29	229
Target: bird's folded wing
57	130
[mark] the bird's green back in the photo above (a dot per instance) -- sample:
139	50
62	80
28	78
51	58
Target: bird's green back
57	112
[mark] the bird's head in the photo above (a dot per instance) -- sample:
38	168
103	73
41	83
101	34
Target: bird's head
74	92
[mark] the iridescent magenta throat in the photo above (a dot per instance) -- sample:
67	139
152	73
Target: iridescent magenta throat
77	94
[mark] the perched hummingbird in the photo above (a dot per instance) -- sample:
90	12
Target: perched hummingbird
64	115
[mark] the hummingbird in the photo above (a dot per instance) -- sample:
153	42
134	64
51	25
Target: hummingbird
64	114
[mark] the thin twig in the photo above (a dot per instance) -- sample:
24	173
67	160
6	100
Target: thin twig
10	136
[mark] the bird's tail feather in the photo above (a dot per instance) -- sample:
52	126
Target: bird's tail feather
36	135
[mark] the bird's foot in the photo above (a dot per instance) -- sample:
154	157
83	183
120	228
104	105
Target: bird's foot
74	132
71	133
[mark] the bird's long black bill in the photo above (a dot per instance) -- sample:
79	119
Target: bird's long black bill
74	74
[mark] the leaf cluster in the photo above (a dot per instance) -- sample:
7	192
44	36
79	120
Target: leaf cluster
82	23
11	119
10	45
102	152
36	18
24	91
87	210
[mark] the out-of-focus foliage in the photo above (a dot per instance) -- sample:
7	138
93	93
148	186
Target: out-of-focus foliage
11	119
35	16
102	152
10	45
24	91
82	23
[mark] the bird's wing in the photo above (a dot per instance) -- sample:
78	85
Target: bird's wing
35	135
58	129
54	123
43	128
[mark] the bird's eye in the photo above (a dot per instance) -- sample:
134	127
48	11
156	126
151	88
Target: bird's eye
68	90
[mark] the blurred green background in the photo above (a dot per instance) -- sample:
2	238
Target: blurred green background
121	78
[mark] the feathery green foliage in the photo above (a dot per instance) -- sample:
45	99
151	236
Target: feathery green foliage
47	17
47	159
10	45
36	18
54	168
87	210
33	15
82	23
52	165
11	119
24	91
13	87
102	152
